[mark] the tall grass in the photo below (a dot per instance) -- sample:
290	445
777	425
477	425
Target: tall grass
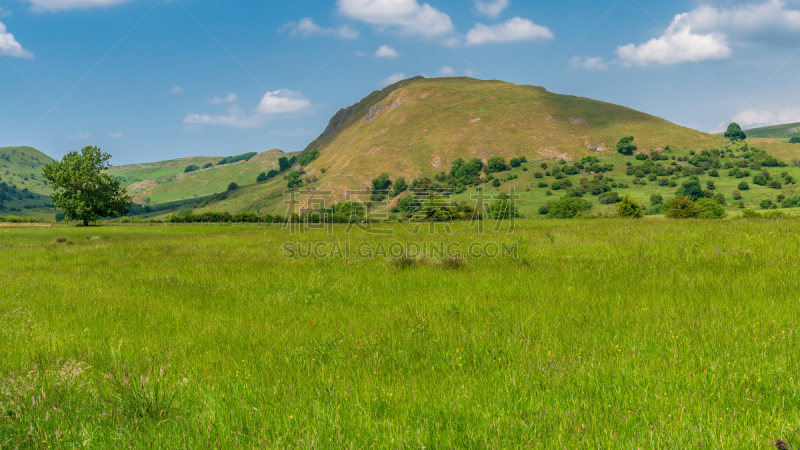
611	334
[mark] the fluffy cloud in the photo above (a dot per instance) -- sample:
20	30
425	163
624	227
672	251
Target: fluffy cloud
491	8
447	71
708	32
392	79
588	63
307	28
516	29
762	118
9	45
273	103
678	44
62	5
230	98
406	17
386	52
283	101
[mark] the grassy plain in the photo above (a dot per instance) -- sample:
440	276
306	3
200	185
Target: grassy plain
601	334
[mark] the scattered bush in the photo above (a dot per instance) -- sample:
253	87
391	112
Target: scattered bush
568	208
711	209
235	159
630	208
743	186
682	207
191	168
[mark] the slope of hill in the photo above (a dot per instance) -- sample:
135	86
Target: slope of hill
785	131
22	189
162	182
417	127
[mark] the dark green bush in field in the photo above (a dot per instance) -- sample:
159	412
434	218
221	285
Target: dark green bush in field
794	140
191	168
774	184
691	189
208	165
743	186
609	198
400	186
656	199
568	208
629	208
720	198
262	177
496	183
496	164
682	207
710	209
516	162
736	195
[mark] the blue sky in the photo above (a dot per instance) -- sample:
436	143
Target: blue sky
151	80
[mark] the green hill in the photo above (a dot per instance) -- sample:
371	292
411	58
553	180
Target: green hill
22	189
785	131
167	181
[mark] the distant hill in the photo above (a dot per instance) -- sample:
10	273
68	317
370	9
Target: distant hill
167	181
785	131
22	189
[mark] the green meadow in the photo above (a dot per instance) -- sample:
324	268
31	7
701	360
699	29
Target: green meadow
596	334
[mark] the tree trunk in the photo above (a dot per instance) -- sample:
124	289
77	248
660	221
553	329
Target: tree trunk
85	223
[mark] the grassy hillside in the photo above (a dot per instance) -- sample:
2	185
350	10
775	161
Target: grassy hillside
785	131
22	189
162	182
416	127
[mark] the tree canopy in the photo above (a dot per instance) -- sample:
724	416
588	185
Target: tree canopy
82	188
735	133
625	145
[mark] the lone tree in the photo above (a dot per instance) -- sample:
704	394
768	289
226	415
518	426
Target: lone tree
794	140
82	188
735	133
625	145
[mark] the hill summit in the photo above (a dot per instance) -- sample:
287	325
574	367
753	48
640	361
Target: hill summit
417	127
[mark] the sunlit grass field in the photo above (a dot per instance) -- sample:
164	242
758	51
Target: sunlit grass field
599	334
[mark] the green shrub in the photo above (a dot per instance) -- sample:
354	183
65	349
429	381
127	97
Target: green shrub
682	207
711	209
496	164
630	208
568	208
237	158
609	198
743	186
737	195
191	168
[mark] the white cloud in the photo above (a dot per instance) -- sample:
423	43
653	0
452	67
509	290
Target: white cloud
579	62
230	98
447	71
62	5
9	45
360	54
763	118
235	118
708	32
406	17
386	51
5	12
516	29
177	90
115	135
491	8
273	103
678	44
307	28
392	79
283	101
